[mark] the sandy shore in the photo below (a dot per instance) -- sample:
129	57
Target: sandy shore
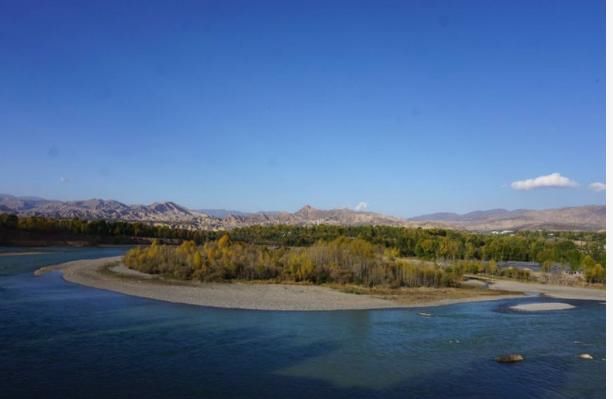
289	297
235	295
554	291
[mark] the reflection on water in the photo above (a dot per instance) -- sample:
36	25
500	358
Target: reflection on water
62	340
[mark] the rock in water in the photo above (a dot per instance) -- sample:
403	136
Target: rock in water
510	358
585	356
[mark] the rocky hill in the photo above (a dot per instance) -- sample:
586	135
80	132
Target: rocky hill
590	218
310	216
96	209
175	215
585	218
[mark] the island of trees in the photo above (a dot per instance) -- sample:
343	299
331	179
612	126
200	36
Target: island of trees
322	253
341	260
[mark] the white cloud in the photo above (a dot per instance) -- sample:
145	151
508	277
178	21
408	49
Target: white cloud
597	186
552	180
361	206
63	179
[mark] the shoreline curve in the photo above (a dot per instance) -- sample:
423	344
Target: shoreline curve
236	295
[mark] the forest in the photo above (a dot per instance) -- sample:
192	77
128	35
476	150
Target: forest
584	251
567	248
343	260
18	229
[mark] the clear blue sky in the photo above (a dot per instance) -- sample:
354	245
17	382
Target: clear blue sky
409	106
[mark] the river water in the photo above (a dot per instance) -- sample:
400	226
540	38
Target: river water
62	340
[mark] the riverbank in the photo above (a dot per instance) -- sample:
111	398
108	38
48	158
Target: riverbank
261	296
553	291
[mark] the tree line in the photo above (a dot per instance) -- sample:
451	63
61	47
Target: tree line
95	231
567	248
343	260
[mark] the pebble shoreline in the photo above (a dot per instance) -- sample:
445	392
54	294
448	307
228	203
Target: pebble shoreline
280	297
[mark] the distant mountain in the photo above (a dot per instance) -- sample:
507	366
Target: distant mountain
346	217
308	215
96	209
591	218
20	204
175	215
587	218
439	217
220	213
475	215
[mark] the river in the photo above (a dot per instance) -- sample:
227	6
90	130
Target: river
62	340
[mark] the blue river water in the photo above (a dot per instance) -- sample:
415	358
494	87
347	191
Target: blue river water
62	340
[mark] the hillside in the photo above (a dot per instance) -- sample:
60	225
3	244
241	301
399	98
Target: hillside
175	215
588	218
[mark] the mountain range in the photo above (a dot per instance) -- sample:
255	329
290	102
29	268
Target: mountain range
587	218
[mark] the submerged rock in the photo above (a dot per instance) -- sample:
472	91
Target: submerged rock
510	358
585	356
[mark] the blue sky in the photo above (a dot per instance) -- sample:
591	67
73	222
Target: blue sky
408	106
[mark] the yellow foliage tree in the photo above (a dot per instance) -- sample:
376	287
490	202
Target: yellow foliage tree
223	241
197	260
